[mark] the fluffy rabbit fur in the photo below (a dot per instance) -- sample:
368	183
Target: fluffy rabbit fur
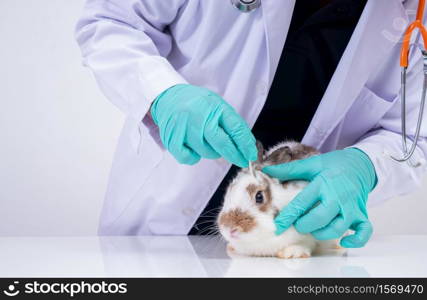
252	201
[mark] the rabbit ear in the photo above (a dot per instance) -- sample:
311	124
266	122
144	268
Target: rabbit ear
261	151
258	164
286	154
279	156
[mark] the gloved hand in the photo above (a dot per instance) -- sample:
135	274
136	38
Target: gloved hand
195	122
334	200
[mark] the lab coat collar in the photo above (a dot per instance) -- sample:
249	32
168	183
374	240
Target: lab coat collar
369	46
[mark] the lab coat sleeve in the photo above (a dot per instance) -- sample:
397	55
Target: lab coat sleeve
125	43
396	178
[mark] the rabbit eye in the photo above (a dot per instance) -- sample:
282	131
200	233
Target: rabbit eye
259	197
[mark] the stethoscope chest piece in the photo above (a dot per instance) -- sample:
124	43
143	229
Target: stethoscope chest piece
246	5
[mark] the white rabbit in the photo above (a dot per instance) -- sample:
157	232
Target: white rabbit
253	200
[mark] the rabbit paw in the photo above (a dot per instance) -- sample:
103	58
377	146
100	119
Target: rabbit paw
294	251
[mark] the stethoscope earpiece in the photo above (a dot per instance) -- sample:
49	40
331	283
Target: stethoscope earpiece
246	5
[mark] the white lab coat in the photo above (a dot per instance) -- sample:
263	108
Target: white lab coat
138	48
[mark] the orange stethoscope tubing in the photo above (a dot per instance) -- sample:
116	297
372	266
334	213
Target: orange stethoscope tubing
404	62
418	23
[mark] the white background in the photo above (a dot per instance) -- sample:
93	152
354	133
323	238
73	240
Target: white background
58	133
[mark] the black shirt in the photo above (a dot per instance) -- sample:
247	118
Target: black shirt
318	35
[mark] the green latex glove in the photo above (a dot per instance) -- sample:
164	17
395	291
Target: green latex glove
195	122
334	200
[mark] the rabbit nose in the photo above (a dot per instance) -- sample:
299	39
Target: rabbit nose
238	219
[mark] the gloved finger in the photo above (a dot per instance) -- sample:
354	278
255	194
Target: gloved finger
305	169
206	151
334	230
223	145
199	143
297	207
317	218
175	136
239	132
361	236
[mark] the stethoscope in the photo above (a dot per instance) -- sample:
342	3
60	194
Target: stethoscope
250	5
404	58
246	5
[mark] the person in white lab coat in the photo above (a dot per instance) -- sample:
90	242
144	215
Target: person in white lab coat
193	76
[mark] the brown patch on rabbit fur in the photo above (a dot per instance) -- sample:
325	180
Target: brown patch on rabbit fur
287	154
283	154
302	151
253	189
237	218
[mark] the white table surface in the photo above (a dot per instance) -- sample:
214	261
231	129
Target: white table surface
386	256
